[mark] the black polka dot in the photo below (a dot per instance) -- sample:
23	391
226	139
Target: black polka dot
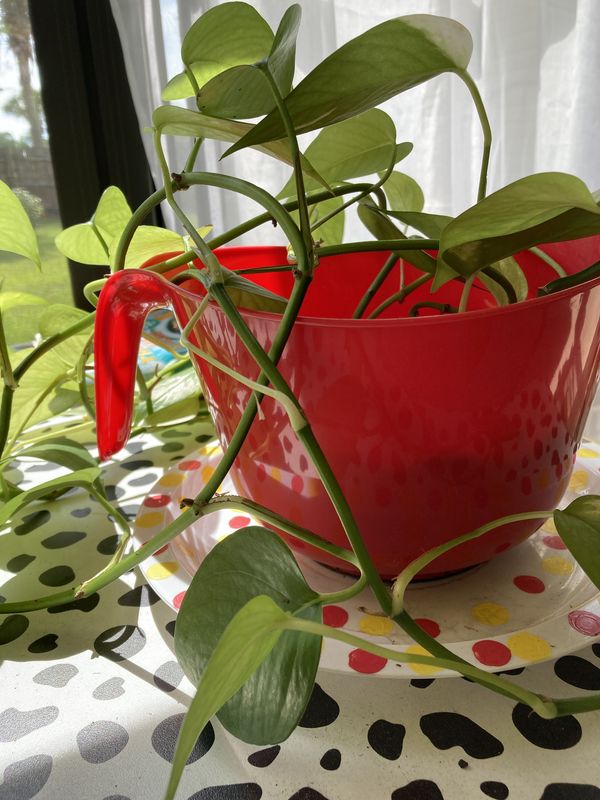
114	492
495	789
331	759
19	563
144	480
131	466
109	690
445	729
134	448
321	710
116	797
422	683
174	434
170	627
462	763
204	437
25	779
45	644
570	791
15	724
58	675
108	546
120	643
140	597
578	672
164	737
57	576
232	791
262	758
32	521
168	676
63	539
596	649
551	734
306	793
386	738
172	447
12	627
101	741
418	790
81	512
86	604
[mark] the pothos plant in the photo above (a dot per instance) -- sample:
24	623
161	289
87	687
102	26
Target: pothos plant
250	629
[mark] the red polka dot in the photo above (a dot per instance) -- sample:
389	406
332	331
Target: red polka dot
430	626
189	465
239	522
367	663
585	622
157	500
529	584
555	542
335	616
297	484
261	472
490	653
178	599
160	550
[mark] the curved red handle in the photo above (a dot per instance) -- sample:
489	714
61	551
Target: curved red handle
125	301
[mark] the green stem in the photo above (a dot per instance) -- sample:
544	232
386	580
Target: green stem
399	296
344	594
90	289
145	395
191	159
464	298
389	265
549	260
379	244
485	128
443	308
5	365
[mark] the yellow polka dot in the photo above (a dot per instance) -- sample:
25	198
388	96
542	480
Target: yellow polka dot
150	519
557	565
549	526
585	452
209	449
207	473
490	613
376	626
528	646
276	474
579	480
421	669
171	479
159	572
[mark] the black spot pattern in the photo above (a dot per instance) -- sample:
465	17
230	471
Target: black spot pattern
57	576
204	437
231	791
109	689
445	729
418	790
551	734
120	642
25	779
63	539
596	649
12	627
45	644
58	675
172	447
100	741
141	463
578	672
144	480
321	710
108	546
140	597
15	724
19	562
170	627
331	759
570	791
81	512
306	793
114	492
86	604
386	738
462	763
422	683
168	676
262	758
32	521
164	737
495	789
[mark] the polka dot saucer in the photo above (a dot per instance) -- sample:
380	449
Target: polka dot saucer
530	604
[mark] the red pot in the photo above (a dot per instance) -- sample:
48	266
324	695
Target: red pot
433	425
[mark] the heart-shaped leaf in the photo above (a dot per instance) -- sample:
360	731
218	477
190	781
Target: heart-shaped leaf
58	317
388	59
112	212
579	528
82	243
63	451
241	649
16	231
248	563
403	193
10	300
381	227
350	149
225	36
243	91
149	241
547	207
430	225
332	231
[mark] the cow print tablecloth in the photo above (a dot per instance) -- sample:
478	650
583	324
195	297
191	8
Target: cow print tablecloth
91	697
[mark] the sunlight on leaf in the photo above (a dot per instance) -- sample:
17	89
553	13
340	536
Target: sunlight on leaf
403	192
113	212
579	527
10	300
81	243
16	231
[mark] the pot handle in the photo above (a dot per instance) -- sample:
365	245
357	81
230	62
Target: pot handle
125	300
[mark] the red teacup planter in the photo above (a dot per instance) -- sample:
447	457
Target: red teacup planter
433	425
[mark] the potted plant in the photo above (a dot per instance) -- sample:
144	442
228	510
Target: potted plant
332	361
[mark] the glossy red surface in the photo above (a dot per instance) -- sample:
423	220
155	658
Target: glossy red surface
432	425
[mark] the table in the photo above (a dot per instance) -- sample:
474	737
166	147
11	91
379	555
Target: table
92	698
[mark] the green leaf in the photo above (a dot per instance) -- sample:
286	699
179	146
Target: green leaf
513	274
390	58
579	528
355	147
63	451
548	207
430	225
83	478
16	231
381	227
112	212
82	243
403	193
10	300
247	294
243	91
175	121
228	35
244	645
149	241
332	231
251	562
58	317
